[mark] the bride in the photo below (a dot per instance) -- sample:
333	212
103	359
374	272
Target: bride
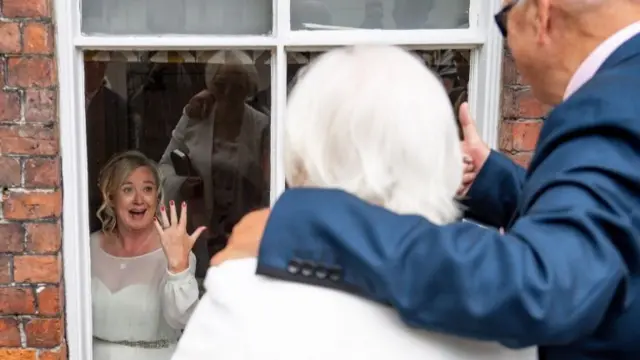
375	122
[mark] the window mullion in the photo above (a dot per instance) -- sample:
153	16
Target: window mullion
485	85
278	109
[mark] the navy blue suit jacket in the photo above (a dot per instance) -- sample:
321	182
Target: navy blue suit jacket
565	276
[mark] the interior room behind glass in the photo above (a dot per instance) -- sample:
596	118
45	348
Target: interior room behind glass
204	119
139	100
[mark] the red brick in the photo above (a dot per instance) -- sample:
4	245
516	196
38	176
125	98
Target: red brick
26	8
38	38
522	104
36	269
5	269
43	238
61	297
2	67
510	74
40	105
529	106
32	205
29	150
43	333
9	37
9	106
28	140
17	354
17	301
9	333
42	173
11	236
48	300
519	135
28	72
9	172
55	354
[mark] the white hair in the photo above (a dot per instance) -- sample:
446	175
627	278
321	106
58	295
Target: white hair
375	122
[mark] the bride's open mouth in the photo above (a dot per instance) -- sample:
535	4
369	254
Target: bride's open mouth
137	214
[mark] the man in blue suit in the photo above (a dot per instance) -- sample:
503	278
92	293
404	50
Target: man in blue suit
565	276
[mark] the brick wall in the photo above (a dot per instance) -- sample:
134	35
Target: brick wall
521	115
31	320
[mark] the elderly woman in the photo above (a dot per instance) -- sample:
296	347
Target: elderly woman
143	285
224	143
395	146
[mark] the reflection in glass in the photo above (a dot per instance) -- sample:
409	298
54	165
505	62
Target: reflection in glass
451	65
217	159
220	17
379	14
203	116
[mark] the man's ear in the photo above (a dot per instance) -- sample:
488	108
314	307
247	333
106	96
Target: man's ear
542	20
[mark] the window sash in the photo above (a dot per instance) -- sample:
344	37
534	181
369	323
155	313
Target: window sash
281	22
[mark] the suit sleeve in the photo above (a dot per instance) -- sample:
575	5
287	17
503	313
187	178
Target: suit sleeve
492	199
528	287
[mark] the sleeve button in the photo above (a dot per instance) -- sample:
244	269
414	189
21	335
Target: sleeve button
335	273
321	272
293	267
307	268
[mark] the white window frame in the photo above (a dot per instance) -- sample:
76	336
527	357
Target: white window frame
482	38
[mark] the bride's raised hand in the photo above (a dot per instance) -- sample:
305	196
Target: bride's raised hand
176	242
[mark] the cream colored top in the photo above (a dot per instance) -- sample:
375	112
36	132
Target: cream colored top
244	316
136	299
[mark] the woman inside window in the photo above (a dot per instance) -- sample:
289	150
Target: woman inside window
375	122
217	159
143	287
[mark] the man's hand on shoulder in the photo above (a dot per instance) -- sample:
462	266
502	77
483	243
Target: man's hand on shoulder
245	238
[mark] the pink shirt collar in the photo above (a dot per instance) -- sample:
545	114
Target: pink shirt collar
592	63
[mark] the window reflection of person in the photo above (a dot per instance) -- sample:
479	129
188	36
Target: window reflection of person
305	12
106	116
431	14
143	289
227	144
454	72
373	15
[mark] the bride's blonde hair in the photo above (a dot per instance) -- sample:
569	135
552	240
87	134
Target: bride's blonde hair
113	175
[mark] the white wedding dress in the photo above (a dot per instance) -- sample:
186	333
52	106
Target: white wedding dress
139	308
244	316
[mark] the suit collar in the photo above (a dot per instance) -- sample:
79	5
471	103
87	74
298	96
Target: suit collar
591	65
630	49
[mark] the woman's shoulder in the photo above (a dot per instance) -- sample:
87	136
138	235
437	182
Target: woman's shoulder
95	242
231	274
259	118
96	236
187	121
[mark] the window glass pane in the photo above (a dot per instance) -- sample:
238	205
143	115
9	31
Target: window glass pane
204	117
379	14
218	17
451	65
